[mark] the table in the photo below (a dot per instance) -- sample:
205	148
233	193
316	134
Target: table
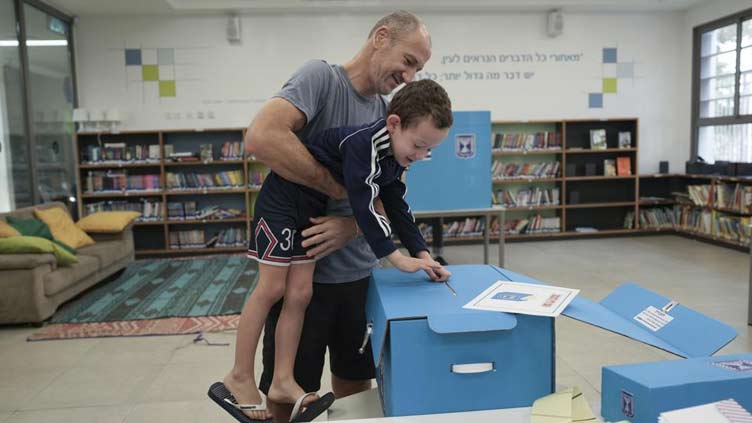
487	213
365	407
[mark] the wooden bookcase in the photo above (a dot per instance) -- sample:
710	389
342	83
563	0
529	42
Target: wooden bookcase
152	235
710	214
587	198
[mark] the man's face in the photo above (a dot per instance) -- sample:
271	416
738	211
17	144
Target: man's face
414	142
398	63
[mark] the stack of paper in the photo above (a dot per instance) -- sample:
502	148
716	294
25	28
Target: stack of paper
728	411
566	406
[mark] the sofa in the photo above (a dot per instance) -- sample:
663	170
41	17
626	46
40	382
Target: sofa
32	286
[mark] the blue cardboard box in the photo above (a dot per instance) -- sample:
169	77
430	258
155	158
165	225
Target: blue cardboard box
433	356
460	166
640	392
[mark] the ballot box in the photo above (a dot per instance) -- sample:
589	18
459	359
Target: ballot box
434	356
640	392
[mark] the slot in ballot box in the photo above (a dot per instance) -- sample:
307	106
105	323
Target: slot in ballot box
641	392
433	356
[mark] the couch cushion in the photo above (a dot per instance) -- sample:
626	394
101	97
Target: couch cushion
64	277
107	252
107	221
62	227
33	244
6	230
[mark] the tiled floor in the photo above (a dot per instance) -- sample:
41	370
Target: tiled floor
164	379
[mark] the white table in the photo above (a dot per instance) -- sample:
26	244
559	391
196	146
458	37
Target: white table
365	407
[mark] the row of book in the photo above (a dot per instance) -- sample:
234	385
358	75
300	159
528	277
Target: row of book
737	197
501	170
711	223
150	210
522	142
533	225
475	226
119	152
196	238
188	210
256	178
120	180
193	180
528	197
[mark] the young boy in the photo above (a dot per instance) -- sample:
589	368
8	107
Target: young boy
369	161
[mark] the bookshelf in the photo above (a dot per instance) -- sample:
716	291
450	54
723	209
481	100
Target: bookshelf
195	189
706	207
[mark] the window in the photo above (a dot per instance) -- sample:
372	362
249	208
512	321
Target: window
722	90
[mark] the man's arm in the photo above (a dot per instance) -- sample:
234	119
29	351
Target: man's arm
271	138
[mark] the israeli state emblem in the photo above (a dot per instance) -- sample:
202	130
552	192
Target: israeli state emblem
464	146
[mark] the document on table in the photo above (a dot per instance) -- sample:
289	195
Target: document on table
523	298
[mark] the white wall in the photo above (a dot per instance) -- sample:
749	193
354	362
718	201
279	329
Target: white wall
225	85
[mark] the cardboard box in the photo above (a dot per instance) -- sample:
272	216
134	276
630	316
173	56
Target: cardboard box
433	356
640	392
439	358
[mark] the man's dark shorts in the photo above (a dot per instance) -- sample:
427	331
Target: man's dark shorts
335	318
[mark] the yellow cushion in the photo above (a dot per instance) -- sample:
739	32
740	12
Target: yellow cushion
6	230
62	227
33	244
107	222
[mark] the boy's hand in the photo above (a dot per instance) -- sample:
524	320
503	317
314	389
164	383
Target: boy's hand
442	274
411	265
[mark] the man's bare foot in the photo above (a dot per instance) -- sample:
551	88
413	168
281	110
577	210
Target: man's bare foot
287	392
246	393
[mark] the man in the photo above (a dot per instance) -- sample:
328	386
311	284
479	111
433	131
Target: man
317	97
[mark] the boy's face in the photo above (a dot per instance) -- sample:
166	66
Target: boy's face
414	142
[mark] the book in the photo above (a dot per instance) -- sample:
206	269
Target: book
598	139
625	140
206	153
623	166
609	167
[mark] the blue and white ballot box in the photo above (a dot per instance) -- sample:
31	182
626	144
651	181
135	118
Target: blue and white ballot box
433	356
458	173
641	392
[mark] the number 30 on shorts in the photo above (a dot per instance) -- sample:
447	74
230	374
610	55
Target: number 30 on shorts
289	235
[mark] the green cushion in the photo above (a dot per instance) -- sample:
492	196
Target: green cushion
30	227
32	245
35	227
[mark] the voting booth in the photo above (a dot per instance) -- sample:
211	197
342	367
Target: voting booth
641	392
457	174
434	356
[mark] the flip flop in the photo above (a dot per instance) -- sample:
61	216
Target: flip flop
219	393
313	409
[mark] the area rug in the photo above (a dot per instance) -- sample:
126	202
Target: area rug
169	326
157	289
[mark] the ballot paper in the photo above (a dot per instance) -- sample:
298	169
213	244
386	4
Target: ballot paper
523	298
727	411
565	406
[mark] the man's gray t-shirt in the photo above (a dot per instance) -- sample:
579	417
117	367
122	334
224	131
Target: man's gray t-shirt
328	99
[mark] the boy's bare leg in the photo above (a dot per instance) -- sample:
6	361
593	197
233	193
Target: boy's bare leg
298	291
241	381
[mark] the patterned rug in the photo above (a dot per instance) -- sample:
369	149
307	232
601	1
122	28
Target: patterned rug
169	326
155	289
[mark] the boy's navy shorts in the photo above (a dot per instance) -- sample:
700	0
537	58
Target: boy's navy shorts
283	209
